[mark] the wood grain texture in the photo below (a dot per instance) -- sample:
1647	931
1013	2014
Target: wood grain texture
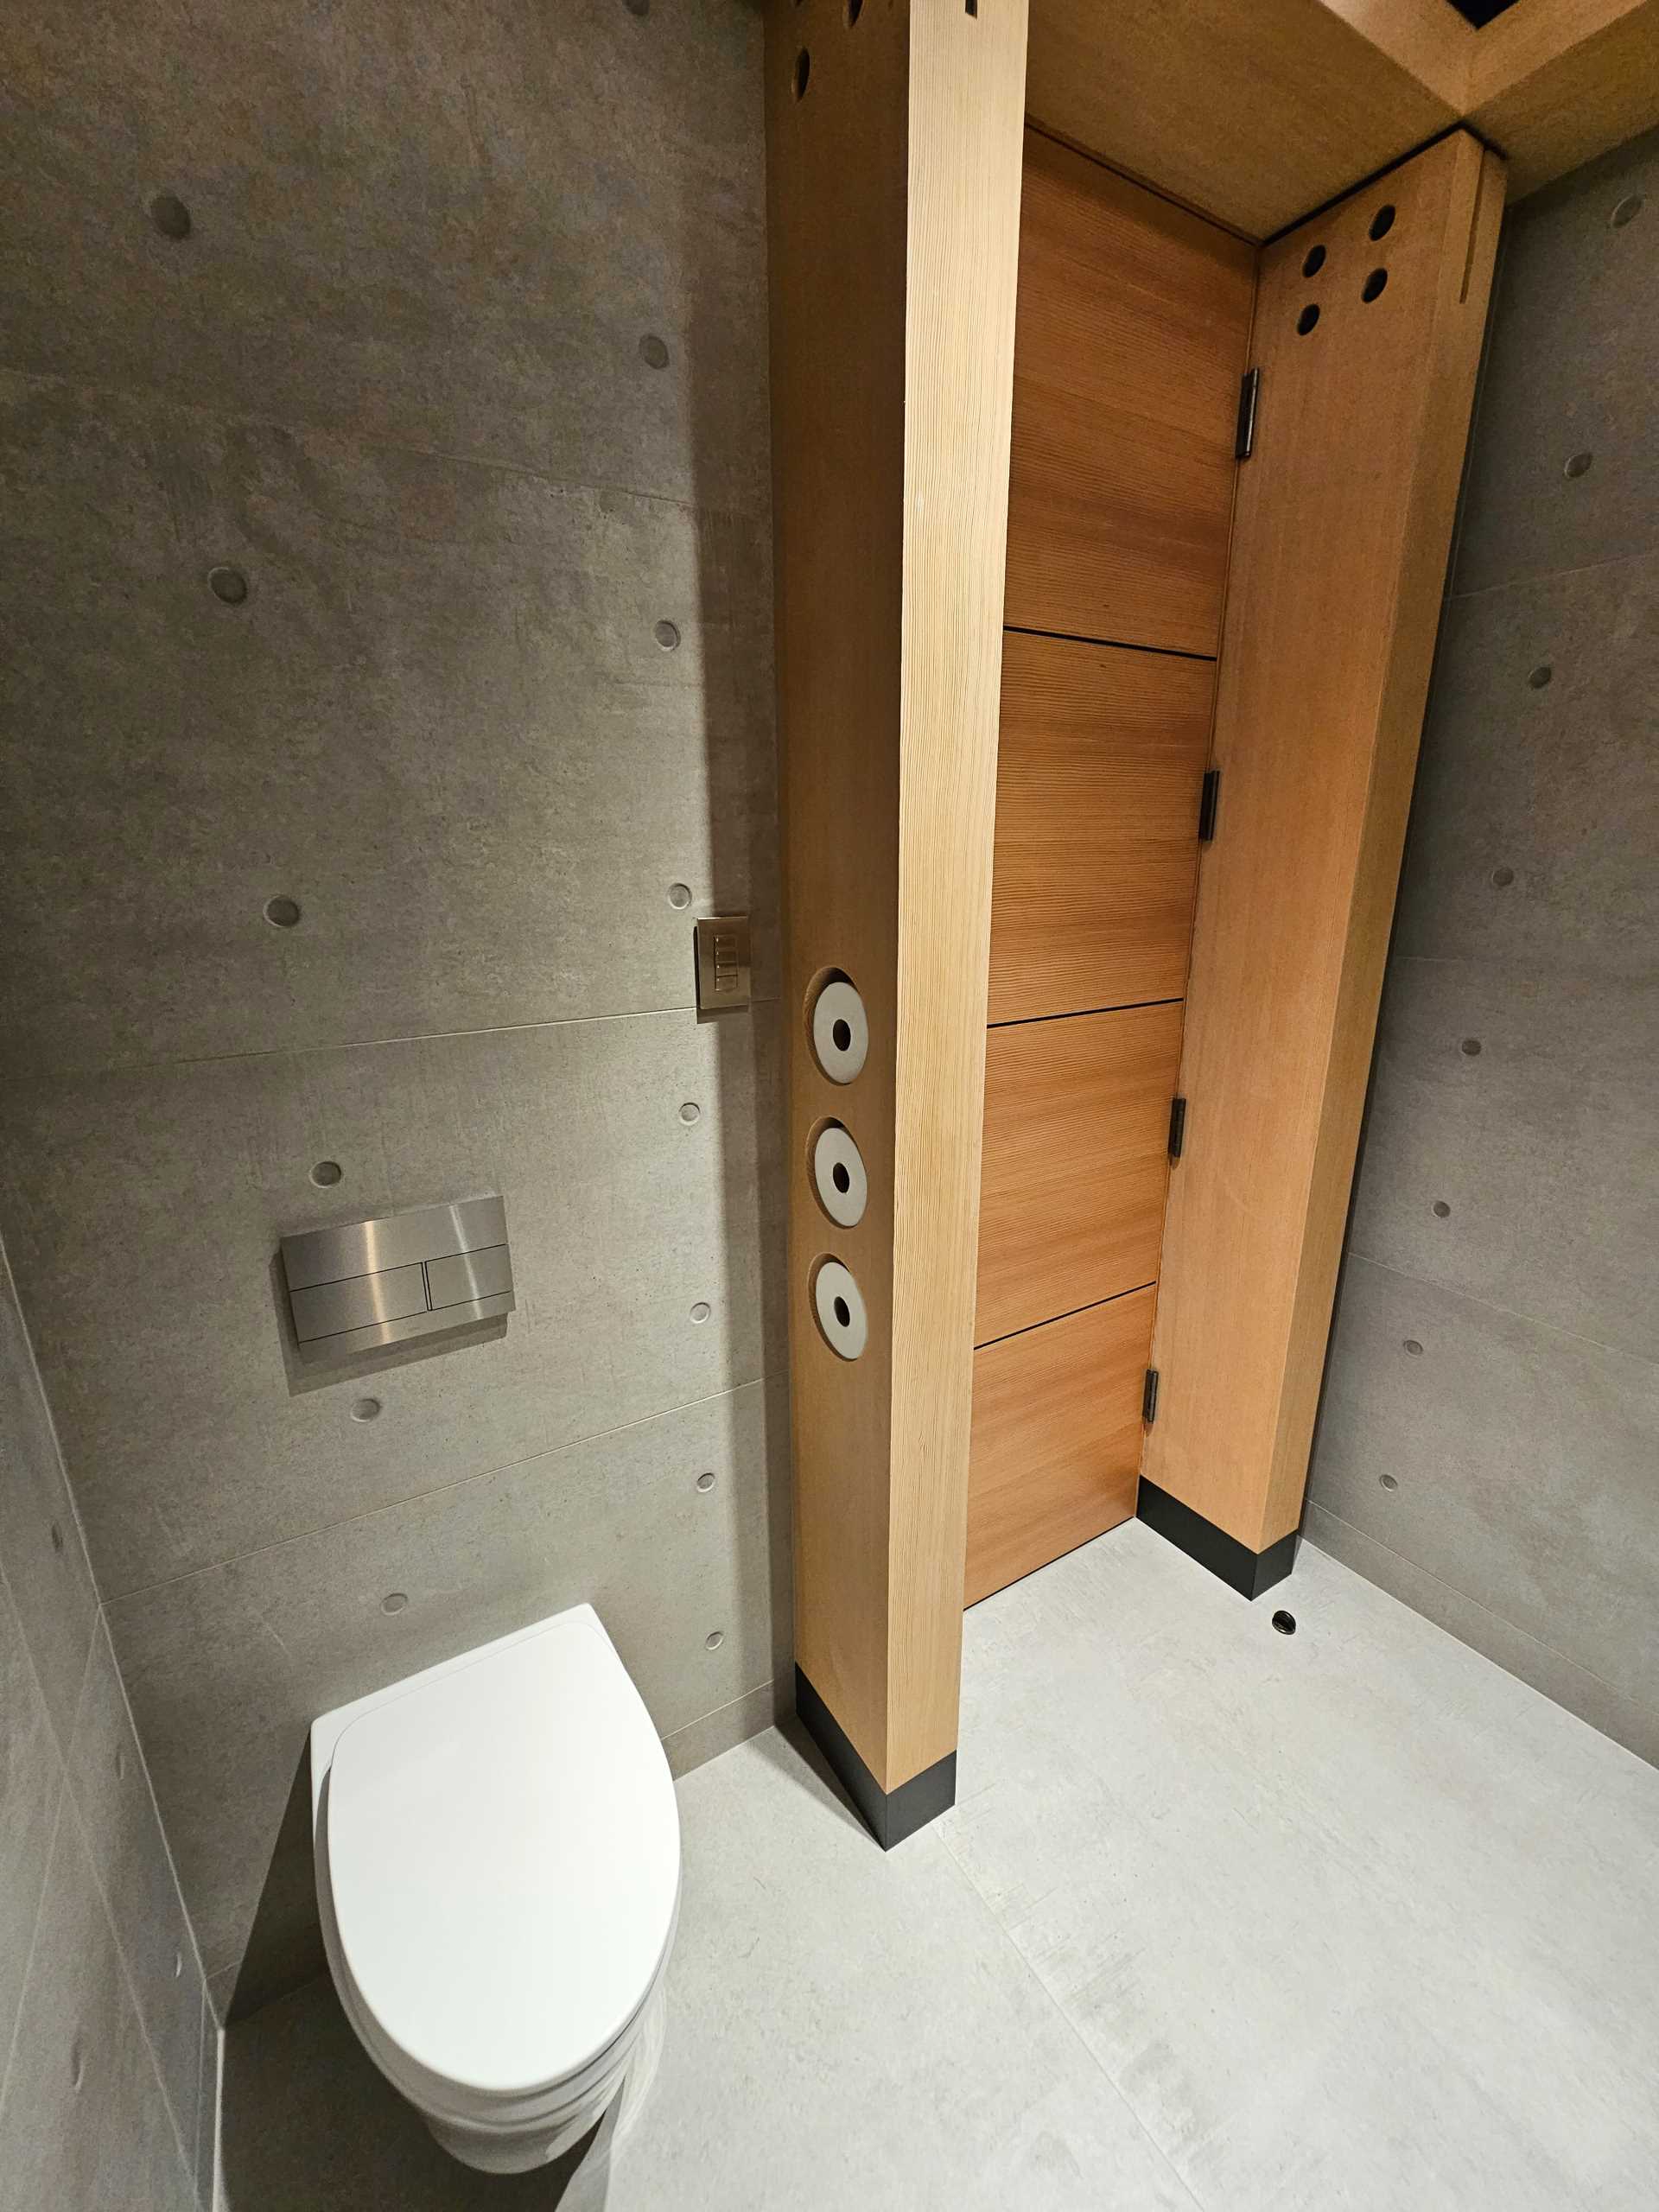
1099	770
1252	114
1555	82
966	101
1056	1438
1077	1129
894	190
1134	323
1323	679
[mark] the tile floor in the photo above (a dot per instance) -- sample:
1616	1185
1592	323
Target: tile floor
1224	1921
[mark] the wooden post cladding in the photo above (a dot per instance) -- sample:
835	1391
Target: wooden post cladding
1368	332
894	150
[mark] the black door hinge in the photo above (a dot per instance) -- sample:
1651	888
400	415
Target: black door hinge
1149	1397
1177	1127
1250	390
1207	800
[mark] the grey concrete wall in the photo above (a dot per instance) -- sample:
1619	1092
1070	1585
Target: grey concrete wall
1489	1443
461	366
109	2052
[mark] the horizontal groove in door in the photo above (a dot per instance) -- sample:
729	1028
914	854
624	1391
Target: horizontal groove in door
1057	1436
1100	770
1116	644
1076	1163
1093	1308
1079	1014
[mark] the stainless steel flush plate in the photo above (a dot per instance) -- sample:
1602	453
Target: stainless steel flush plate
373	1283
722	963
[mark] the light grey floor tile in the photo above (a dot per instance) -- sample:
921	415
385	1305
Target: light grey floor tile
1350	1918
84	2123
145	1211
41	1548
1536	810
1569	372
403	245
1540	1144
1512	1462
1634	1725
442	722
845	2030
228	1670
31	1783
129	1859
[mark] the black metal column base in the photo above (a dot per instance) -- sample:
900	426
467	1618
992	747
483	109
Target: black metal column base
889	1814
1248	1572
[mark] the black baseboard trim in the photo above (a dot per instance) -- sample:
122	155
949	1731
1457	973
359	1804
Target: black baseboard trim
889	1814
1248	1572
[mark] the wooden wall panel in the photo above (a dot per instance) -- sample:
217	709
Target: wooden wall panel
1099	771
1133	326
1344	517
1252	111
1056	1438
894	188
1075	1162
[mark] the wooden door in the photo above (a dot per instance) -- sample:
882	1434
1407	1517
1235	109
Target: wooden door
1131	333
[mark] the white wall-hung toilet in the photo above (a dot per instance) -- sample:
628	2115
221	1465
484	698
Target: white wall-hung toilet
498	1850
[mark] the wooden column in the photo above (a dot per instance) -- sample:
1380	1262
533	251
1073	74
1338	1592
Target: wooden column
893	145
1368	332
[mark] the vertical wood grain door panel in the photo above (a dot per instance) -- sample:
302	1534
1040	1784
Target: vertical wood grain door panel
1056	1452
1130	337
1099	771
1076	1163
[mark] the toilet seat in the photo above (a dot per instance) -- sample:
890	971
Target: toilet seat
498	1870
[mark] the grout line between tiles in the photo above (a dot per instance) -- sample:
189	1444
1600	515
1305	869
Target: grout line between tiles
36	1080
1013	1941
1509	1312
437	1489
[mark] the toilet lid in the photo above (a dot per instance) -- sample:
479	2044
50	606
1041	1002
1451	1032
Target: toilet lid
503	1849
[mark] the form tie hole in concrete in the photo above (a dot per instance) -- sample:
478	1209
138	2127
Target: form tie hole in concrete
667	636
652	352
637	7
1542	677
1315	261
1413	1347
1502	877
229	586
121	1765
393	1602
1442	1211
1374	286
178	1966
1382	221
1627	210
1578	464
705	1480
327	1174
1305	320
76	2062
1470	1048
57	1537
701	1311
366	1409
690	1112
1285	1622
170	215
283	913
1388	1482
715	1638
679	895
